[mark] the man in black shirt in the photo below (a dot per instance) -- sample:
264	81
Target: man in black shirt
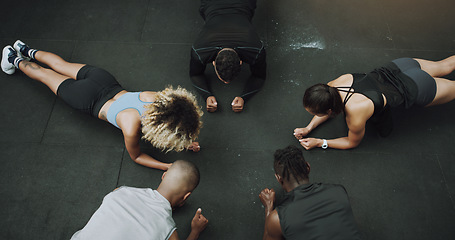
310	210
227	40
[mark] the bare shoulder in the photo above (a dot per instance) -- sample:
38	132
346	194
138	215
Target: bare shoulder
358	110
129	121
147	96
342	81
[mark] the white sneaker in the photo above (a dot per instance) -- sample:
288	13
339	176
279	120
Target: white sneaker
8	67
18	45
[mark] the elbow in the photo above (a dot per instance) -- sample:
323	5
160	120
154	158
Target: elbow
352	145
135	159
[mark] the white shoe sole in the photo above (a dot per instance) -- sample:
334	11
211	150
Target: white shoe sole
18	49
7	67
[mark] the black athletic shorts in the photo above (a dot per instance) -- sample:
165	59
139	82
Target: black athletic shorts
426	84
92	88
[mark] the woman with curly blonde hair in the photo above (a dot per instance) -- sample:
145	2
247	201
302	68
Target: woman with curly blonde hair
169	119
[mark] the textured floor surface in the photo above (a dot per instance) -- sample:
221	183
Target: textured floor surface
57	164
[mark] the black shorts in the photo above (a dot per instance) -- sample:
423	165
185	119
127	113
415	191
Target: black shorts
92	88
426	84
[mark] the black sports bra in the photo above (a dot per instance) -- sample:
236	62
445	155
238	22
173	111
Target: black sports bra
365	85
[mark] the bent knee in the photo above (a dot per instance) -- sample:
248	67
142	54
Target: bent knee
57	63
446	66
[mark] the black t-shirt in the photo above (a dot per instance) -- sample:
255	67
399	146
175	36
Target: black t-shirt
228	25
317	211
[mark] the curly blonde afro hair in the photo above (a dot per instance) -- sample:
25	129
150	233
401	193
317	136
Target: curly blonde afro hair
173	120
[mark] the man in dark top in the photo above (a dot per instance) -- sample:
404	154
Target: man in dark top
227	40
310	210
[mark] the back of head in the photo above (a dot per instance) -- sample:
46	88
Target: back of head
227	64
290	164
183	176
321	98
173	120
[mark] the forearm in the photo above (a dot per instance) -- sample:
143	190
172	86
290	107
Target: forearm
201	84
148	161
339	143
268	210
253	85
316	121
198	78
193	235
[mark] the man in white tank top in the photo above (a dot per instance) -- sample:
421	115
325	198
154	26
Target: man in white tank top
144	213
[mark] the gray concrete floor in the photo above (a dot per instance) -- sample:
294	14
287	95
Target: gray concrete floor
57	164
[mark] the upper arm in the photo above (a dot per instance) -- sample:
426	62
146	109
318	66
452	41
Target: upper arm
197	67
259	68
273	227
174	236
132	135
356	121
355	136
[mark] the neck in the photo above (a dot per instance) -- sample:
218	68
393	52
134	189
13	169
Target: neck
169	195
289	186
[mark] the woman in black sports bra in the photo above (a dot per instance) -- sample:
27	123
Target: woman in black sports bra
362	97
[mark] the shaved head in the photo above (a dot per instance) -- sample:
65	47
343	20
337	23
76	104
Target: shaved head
183	176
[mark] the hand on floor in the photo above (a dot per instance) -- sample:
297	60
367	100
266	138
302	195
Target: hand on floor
267	197
237	104
309	143
199	222
299	133
194	147
211	104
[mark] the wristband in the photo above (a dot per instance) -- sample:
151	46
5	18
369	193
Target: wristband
324	144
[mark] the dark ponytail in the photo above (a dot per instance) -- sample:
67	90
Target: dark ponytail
320	98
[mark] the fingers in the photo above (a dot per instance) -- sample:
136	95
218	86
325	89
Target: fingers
168	166
211	100
211	108
305	143
237	104
211	104
267	197
237	109
198	213
203	220
199	217
194	147
297	135
199	222
266	192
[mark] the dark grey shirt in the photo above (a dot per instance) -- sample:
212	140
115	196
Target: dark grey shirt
317	211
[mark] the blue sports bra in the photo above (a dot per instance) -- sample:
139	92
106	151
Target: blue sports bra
126	101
